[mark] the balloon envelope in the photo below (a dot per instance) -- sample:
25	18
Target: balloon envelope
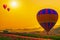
4	6
8	9
47	18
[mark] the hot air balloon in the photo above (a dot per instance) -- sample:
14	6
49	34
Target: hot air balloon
4	6
8	9
47	18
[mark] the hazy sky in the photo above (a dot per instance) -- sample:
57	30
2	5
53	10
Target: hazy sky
23	13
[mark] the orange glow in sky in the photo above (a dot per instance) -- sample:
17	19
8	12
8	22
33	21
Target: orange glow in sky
23	13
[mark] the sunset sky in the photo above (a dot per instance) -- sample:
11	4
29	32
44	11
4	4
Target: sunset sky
23	13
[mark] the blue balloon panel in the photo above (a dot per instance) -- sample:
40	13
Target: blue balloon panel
47	25
47	11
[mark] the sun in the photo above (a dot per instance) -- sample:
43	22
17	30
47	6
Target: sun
14	4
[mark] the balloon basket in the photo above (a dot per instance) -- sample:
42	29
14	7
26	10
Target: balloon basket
48	33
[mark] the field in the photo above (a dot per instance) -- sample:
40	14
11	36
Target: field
25	36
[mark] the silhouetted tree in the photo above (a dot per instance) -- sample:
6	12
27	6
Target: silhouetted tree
5	31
